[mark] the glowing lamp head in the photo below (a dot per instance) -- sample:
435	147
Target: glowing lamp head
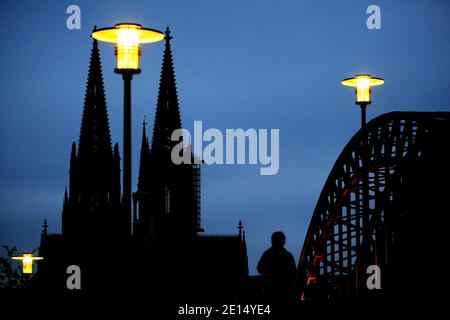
363	84
27	262
128	38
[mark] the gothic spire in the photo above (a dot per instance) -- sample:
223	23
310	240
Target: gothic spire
144	143
92	204
240	228
144	156
167	117
95	137
44	227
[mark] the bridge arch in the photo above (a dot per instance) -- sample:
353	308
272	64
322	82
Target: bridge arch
377	208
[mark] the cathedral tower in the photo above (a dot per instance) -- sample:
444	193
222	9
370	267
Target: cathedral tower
92	207
168	194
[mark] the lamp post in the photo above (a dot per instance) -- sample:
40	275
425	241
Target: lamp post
27	262
363	84
128	38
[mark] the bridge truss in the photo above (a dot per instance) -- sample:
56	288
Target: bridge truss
380	193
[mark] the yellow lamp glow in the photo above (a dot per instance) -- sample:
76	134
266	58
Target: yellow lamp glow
363	84
128	38
27	262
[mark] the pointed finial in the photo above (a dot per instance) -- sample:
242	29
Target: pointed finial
240	228
168	36
143	122
45	227
93	30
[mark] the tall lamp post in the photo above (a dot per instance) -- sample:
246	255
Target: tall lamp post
128	38
363	84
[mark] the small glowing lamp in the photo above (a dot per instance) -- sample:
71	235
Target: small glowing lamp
363	84
27	262
128	38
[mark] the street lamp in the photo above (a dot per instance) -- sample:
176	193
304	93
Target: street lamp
128	38
27	262
363	84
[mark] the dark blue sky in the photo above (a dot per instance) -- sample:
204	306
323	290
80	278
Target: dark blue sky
248	64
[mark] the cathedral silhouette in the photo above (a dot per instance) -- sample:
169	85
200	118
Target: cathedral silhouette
161	246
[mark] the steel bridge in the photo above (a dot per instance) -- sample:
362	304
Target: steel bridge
382	204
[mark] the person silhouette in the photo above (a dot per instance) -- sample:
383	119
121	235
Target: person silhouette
277	265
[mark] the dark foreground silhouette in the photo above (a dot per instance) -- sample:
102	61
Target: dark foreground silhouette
277	265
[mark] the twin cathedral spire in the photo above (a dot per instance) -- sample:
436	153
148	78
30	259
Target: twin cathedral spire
168	196
165	226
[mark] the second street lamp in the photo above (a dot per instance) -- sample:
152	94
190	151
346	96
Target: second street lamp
27	260
128	38
363	84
